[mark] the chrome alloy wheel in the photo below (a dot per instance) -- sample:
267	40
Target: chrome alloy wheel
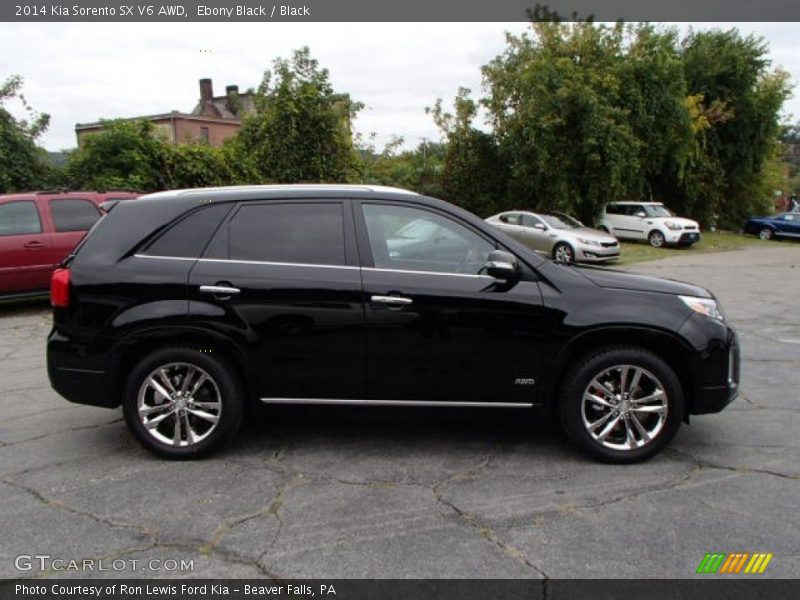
179	404
563	254
624	407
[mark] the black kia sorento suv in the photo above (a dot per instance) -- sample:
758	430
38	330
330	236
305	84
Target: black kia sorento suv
187	306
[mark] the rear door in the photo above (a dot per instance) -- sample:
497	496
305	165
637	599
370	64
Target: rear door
25	252
282	276
71	219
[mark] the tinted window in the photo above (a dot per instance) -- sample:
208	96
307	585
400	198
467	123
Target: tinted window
304	233
19	218
414	239
615	209
189	236
73	215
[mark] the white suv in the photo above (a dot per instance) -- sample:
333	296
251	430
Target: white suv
651	221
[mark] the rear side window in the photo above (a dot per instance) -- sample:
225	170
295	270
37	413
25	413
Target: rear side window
19	218
73	214
189	236
305	233
615	209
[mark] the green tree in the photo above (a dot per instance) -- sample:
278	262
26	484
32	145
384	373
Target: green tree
474	175
732	74
23	164
132	155
556	105
301	129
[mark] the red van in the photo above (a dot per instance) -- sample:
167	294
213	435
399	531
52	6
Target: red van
38	230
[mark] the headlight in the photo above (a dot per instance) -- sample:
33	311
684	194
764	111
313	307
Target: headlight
705	306
672	225
587	242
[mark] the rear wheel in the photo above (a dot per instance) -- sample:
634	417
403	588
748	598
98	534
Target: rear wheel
656	239
621	405
563	253
766	233
182	403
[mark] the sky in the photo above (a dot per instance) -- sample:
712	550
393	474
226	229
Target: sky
82	72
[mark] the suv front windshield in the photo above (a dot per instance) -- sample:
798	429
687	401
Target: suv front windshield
657	210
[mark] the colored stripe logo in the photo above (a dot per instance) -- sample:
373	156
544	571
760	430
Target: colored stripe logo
734	563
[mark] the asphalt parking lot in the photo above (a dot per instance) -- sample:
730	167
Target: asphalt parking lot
390	493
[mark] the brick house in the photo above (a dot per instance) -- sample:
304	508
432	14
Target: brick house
213	120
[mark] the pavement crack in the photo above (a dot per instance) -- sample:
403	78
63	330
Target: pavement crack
66	430
705	464
56	505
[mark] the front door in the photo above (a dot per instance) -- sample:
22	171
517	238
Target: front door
438	329
282	277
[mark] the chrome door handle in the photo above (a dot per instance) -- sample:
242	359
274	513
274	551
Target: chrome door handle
391	300
221	290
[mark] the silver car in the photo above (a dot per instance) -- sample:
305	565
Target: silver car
558	235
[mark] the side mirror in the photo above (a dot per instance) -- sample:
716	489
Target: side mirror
540	226
502	265
641	214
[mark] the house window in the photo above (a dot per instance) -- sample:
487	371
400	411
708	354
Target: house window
204	134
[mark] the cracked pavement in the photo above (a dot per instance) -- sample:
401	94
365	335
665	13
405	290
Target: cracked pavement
384	493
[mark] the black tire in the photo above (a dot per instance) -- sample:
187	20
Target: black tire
221	379
766	233
656	239
571	406
563	252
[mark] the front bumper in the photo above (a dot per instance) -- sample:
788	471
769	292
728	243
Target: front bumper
596	254
716	374
682	237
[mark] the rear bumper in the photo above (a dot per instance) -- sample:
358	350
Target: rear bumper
78	373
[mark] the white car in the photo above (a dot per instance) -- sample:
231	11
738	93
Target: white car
651	221
558	235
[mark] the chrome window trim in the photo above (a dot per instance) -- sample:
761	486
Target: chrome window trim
312	266
352	402
384	270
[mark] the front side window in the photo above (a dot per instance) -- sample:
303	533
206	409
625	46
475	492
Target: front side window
657	210
73	214
405	238
531	221
297	232
19	218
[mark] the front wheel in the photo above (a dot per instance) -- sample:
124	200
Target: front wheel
182	403
766	233
563	253
656	239
621	405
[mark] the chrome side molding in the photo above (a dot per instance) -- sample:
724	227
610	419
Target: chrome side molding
442	403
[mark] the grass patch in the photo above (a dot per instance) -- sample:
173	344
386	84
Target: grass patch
710	241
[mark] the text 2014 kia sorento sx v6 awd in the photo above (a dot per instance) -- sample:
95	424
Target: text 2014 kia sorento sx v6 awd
185	306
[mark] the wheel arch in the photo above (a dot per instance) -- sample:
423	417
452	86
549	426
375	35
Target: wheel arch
666	345
134	347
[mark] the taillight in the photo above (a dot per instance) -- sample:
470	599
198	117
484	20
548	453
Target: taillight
59	288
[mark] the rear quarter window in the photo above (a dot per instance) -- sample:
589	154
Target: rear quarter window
188	237
73	214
